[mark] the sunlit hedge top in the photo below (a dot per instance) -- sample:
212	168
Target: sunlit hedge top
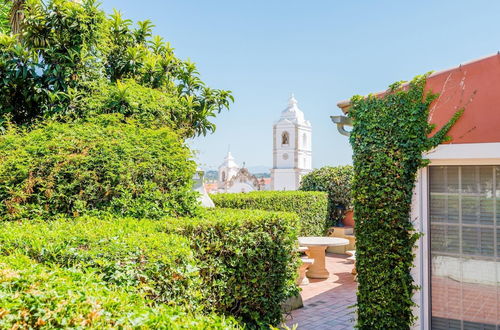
310	206
102	164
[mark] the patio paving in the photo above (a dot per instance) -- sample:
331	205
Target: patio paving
326	302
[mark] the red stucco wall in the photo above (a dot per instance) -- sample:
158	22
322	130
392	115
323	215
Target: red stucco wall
474	86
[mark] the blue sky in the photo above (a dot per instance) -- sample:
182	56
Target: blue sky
322	51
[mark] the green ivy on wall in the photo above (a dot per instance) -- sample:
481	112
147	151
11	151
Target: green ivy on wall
389	136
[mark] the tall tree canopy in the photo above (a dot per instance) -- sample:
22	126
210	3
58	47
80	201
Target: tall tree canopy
70	60
4	16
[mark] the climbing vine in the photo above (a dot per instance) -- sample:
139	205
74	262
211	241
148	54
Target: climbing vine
390	134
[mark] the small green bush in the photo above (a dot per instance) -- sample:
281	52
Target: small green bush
246	260
36	296
102	164
311	207
125	252
337	182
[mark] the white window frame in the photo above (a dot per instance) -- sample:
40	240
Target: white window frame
444	154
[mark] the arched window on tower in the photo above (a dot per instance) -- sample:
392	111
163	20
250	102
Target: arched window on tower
285	138
304	140
223	176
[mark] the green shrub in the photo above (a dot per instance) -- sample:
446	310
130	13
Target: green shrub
337	182
125	252
239	263
312	207
246	260
36	296
103	164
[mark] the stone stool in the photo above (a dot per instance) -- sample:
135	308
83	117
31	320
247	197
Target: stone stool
352	258
306	262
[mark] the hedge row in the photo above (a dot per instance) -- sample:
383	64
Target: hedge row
105	163
310	206
247	261
238	263
124	251
36	296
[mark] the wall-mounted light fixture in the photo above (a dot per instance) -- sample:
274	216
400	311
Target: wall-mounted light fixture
342	121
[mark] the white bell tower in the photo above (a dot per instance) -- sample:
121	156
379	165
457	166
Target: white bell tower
292	153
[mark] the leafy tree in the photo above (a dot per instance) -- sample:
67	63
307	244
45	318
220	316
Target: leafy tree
12	15
41	71
337	182
70	53
4	17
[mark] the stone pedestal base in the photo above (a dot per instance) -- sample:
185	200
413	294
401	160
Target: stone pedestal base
317	269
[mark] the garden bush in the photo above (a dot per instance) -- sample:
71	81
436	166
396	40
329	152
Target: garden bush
337	182
246	261
240	263
311	207
125	252
105	163
37	296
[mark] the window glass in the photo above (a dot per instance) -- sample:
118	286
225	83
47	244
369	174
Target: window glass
464	212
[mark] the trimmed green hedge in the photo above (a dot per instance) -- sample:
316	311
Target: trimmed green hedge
105	163
124	251
247	261
337	182
237	263
36	296
310	206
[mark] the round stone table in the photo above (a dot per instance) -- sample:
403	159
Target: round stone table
317	247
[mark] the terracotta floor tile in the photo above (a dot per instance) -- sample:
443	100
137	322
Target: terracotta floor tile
327	301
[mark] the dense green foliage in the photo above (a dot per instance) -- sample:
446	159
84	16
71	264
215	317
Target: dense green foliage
102	164
389	137
94	113
125	252
237	263
336	181
69	60
246	260
4	16
37	296
311	207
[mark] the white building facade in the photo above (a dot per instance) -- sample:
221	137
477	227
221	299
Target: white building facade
236	179
292	148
